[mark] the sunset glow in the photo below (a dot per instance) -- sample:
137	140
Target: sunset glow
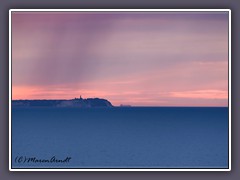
139	59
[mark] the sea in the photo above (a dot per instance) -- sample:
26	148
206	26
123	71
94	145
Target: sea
120	137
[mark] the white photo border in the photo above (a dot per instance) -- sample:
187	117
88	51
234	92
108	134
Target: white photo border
120	10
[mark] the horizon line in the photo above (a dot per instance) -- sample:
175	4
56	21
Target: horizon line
124	105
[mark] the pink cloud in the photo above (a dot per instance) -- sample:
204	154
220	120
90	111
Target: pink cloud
201	94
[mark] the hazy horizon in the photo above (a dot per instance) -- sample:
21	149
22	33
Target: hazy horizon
130	58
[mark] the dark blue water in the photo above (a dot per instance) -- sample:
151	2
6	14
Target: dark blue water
161	137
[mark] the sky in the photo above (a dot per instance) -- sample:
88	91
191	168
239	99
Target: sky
130	58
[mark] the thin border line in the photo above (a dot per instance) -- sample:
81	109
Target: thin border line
119	10
10	90
229	89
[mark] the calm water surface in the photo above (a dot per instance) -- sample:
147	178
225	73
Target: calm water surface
160	137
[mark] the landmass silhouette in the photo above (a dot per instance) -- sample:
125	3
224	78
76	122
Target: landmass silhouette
76	102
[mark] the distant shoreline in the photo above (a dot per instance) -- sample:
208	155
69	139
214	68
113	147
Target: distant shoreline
87	103
76	102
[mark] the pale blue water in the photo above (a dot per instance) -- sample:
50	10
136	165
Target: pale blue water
136	137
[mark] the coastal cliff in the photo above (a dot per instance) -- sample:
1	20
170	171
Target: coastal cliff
77	102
